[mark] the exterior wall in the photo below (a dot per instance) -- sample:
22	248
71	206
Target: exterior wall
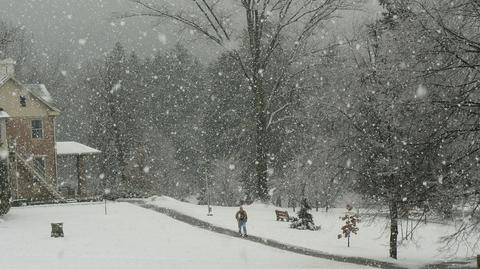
27	188
19	131
10	94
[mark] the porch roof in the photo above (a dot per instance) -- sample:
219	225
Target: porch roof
4	114
74	148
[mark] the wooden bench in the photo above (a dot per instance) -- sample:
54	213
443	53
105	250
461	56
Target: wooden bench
282	215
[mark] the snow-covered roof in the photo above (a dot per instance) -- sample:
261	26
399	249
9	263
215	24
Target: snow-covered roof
74	148
40	91
4	114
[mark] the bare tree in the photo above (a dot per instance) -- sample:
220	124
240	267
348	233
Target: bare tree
7	35
270	26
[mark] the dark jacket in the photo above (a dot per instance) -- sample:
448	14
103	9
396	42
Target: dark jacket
241	215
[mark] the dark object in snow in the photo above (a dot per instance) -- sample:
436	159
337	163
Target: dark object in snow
57	229
305	219
23	100
282	215
478	261
350	226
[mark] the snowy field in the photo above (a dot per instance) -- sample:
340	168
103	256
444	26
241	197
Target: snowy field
371	241
131	237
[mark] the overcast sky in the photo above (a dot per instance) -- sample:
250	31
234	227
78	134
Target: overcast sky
84	28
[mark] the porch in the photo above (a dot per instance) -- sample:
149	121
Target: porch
76	176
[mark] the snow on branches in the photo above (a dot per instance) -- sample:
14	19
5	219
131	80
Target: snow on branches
305	219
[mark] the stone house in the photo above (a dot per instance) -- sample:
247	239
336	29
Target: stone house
28	139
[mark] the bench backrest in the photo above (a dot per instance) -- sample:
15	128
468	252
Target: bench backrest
281	213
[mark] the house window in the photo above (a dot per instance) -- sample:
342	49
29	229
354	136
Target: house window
23	100
37	129
40	165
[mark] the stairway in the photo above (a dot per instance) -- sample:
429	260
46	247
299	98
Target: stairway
43	179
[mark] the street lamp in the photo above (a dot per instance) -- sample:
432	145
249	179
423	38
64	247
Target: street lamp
107	192
209	208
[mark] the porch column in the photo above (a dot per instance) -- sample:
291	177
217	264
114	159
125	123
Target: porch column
81	190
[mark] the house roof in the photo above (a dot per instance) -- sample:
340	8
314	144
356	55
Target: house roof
74	148
39	91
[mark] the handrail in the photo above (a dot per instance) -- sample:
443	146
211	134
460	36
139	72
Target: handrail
38	174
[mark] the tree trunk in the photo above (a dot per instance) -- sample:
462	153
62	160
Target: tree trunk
81	179
393	229
261	157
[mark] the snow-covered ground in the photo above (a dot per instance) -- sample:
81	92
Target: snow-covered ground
131	237
371	241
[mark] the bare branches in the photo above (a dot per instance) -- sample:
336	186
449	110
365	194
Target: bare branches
153	11
276	31
7	34
307	14
272	115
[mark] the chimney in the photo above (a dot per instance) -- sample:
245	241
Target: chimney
7	68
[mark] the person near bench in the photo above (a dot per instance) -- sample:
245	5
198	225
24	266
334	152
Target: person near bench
242	217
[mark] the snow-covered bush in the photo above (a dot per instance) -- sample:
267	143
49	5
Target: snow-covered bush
305	219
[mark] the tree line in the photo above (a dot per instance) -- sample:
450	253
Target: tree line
388	112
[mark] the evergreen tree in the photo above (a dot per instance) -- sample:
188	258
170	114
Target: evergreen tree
305	219
174	108
395	139
5	191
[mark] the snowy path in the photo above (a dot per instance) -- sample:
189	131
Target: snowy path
130	237
368	248
268	242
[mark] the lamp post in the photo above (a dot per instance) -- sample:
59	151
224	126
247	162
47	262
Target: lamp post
107	192
205	162
209	208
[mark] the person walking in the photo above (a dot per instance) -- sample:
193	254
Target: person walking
242	217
